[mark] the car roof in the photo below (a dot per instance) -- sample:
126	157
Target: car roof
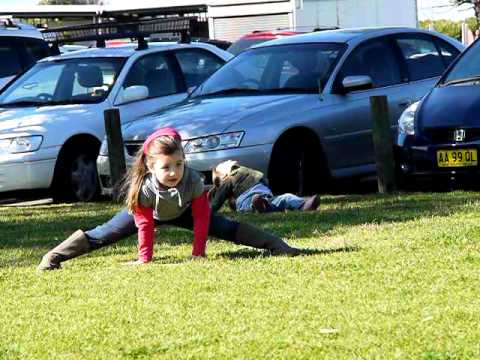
10	28
342	35
126	50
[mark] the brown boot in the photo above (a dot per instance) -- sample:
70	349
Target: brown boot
311	203
75	245
252	236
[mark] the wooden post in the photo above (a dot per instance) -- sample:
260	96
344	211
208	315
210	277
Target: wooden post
116	155
383	144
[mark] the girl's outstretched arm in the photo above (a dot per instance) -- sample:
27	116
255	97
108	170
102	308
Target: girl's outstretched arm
201	224
146	224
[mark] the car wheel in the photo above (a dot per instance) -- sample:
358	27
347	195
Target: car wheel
76	177
296	168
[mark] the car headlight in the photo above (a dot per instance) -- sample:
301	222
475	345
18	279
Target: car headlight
104	148
406	123
21	144
214	142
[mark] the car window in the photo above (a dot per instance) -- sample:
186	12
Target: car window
467	66
42	82
156	73
449	52
92	80
35	50
70	80
375	59
10	59
242	44
281	68
197	65
421	57
304	69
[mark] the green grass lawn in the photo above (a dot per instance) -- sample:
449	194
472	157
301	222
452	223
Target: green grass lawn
397	277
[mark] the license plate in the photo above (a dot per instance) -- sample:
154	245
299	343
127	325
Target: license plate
457	158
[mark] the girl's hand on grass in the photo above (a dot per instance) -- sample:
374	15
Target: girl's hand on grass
134	263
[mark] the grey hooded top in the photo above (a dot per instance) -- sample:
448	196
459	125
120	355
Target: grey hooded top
170	203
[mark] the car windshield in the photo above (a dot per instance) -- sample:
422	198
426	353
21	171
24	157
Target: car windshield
285	68
467	66
72	81
242	44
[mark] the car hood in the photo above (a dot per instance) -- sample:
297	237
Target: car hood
450	107
206	116
22	118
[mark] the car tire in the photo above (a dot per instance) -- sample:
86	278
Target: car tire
76	177
295	167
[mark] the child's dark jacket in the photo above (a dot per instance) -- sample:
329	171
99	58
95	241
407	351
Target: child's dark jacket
239	180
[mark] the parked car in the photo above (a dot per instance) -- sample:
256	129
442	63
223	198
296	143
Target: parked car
439	136
298	108
258	37
65	49
52	117
21	46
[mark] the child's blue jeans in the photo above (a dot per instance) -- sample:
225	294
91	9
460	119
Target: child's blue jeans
122	225
275	203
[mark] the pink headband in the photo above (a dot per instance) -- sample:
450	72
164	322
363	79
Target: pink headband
167	131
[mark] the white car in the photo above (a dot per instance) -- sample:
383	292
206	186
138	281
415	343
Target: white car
52	117
21	45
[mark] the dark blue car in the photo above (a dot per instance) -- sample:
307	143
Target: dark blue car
439	136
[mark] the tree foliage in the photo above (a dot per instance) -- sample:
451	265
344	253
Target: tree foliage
476	8
448	27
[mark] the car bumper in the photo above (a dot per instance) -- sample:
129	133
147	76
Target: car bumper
103	170
421	161
256	157
25	171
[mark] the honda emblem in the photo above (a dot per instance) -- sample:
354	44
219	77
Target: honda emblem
459	135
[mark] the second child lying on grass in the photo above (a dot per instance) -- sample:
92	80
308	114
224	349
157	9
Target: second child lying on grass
163	191
246	190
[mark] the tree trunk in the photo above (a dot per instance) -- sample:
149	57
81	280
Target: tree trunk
476	8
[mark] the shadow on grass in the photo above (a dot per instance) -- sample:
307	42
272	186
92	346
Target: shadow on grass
253	253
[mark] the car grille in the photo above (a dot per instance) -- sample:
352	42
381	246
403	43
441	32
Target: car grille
132	147
442	136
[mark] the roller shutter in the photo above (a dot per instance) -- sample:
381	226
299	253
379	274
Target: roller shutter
232	28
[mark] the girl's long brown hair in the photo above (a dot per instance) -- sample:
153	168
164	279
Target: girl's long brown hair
132	184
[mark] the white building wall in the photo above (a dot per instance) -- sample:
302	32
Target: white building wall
356	13
231	21
233	28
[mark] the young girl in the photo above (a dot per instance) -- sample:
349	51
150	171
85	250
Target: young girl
163	191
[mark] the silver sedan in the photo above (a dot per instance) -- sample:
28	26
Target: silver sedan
298	108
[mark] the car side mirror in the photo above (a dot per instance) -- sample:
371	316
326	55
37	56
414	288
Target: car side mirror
133	93
356	82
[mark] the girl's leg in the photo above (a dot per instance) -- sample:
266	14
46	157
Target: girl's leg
119	227
239	233
252	236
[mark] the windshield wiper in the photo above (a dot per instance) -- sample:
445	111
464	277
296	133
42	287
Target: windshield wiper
70	102
462	80
287	90
232	91
22	103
